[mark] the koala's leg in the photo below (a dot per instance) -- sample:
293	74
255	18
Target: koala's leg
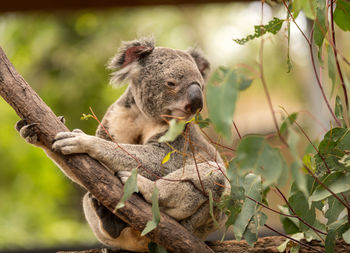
109	229
29	133
178	197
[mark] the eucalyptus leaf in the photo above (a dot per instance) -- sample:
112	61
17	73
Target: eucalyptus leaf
211	209
222	93
272	26
252	187
342	15
346	236
320	28
339	111
338	182
332	148
288	122
331	67
130	187
176	127
155	213
254	153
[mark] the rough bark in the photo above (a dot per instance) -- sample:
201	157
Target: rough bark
263	245
94	177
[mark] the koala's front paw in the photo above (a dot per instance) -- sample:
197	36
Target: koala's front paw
72	142
27	131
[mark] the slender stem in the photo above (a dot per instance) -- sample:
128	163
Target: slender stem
299	218
216	143
287	215
292	239
263	81
319	81
198	174
336	59
239	135
318	152
309	42
326	187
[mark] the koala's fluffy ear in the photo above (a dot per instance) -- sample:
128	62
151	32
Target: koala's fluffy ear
202	63
126	61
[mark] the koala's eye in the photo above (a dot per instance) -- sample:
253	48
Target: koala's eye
171	84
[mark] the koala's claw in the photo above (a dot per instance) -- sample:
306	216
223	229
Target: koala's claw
27	131
124	175
62	119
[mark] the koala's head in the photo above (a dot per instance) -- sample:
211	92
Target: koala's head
163	81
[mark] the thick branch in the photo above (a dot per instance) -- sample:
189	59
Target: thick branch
265	244
94	177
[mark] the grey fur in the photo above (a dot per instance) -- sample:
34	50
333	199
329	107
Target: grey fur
159	85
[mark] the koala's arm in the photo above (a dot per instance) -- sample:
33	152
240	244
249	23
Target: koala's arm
116	157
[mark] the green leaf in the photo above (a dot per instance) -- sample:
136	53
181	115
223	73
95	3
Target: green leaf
320	28
299	177
288	122
290	225
252	187
211	209
331	67
338	182
222	93
300	205
167	157
244	82
272	27
339	111
155	213
254	153
332	234
155	248
176	127
283	246
346	236
233	202
202	123
332	148
330	241
86	116
342	15
130	187
334	209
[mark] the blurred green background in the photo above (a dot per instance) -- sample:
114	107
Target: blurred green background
63	57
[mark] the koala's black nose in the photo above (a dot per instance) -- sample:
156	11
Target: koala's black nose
195	98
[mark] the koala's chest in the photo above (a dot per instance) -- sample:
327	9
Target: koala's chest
130	126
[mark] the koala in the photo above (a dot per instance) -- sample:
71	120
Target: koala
164	83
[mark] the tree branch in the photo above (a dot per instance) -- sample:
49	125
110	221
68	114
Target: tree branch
265	244
95	178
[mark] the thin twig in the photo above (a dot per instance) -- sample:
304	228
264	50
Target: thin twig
286	215
239	135
326	187
263	81
309	42
318	152
336	59
292	239
300	219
